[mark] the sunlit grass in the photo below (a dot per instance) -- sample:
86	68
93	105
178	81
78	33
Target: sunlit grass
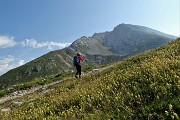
146	86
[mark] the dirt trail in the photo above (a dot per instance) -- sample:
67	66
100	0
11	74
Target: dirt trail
21	93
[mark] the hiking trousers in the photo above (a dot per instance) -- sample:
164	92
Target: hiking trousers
78	68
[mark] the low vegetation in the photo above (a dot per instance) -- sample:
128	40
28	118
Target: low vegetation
146	86
101	48
2	93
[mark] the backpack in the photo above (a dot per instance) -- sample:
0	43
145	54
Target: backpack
75	60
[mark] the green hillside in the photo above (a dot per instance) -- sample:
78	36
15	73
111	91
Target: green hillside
101	48
146	86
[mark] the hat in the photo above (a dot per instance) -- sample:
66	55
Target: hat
78	54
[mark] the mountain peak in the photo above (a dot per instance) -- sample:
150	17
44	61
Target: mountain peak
129	27
125	40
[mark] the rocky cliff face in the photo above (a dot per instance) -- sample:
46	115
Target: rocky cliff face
128	39
125	40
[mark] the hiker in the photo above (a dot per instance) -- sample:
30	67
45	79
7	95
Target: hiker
76	60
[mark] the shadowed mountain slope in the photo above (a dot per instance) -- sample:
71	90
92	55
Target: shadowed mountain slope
145	86
101	48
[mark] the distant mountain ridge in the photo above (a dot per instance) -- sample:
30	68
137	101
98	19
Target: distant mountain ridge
141	87
128	39
125	40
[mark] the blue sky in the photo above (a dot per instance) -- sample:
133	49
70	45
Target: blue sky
31	28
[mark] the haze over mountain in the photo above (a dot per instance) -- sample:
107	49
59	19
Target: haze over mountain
125	40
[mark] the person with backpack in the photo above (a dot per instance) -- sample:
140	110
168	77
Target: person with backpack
76	61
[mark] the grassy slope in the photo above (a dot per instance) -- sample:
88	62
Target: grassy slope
51	64
146	86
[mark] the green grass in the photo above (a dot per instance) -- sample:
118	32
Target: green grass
2	93
146	86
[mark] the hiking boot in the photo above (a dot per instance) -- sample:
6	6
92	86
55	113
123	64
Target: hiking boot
76	76
79	76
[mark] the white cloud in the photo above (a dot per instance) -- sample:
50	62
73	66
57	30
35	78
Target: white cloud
9	62
33	43
7	41
21	62
6	59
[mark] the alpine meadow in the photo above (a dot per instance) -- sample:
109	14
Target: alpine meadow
101	48
144	86
90	60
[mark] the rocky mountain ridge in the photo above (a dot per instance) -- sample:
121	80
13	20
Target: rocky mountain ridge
101	48
144	86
